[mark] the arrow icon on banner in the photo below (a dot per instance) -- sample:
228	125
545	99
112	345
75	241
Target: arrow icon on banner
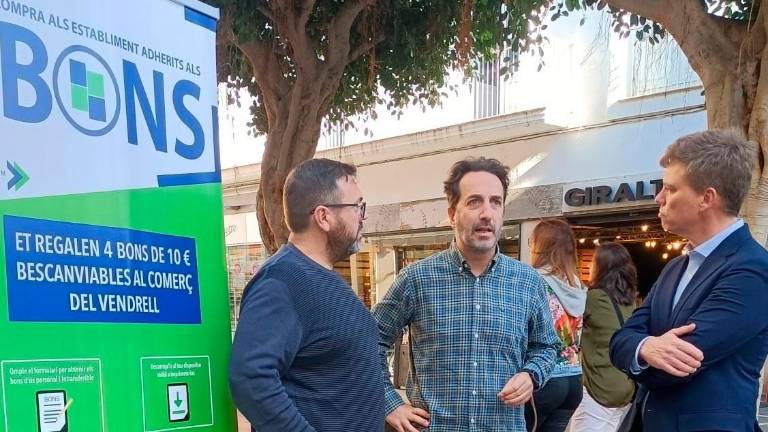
19	176
178	400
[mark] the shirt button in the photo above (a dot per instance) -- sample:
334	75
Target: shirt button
474	364
476	336
477	306
471	420
474	393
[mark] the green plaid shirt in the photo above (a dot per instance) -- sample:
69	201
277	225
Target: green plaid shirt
469	336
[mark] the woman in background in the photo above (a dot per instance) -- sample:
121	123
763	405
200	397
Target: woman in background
553	255
610	301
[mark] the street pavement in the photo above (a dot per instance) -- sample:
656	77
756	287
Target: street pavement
243	425
762	417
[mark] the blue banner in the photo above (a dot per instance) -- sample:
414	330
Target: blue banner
69	272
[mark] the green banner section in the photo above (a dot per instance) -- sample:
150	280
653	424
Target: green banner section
123	376
53	395
176	392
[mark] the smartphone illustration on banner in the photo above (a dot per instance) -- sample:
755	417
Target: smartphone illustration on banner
178	402
51	411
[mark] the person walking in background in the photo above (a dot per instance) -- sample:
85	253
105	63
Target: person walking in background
610	301
553	255
305	355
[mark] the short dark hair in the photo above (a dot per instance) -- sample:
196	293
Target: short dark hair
720	159
462	167
312	183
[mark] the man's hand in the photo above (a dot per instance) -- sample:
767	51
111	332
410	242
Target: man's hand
405	416
518	390
671	354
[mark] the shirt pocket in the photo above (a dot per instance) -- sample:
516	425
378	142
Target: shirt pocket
504	328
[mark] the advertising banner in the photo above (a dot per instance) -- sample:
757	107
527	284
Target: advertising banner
114	310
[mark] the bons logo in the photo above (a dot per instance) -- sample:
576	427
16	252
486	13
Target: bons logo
87	92
89	104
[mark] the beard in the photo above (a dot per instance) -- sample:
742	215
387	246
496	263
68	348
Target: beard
342	242
478	245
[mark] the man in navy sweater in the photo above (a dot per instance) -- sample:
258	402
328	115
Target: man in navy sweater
305	354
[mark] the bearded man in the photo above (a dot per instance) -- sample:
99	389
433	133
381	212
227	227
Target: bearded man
305	357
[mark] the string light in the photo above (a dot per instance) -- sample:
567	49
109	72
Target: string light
648	244
644	228
618	237
665	255
653	243
582	240
684	252
669	246
676	245
596	241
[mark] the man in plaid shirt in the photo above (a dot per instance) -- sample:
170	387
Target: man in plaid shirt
480	328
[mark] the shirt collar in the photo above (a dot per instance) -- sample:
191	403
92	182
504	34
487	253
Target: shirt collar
710	245
462	264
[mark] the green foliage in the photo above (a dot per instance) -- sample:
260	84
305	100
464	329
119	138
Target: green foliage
421	40
409	66
626	23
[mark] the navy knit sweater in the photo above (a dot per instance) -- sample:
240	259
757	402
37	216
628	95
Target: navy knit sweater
305	354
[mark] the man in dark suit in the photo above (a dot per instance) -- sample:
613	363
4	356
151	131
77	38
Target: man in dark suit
699	340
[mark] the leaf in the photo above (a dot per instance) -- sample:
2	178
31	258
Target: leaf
583	20
633	20
639	35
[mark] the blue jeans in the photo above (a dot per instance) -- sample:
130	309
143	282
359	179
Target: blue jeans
555	404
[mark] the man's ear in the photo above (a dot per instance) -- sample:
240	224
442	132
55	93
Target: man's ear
320	217
709	198
452	215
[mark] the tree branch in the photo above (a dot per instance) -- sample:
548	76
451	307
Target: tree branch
651	9
305	10
268	74
338	32
293	28
267	13
364	48
702	40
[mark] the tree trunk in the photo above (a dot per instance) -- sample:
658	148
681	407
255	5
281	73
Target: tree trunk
296	87
300	139
731	58
734	102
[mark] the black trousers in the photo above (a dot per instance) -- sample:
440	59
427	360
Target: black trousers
555	404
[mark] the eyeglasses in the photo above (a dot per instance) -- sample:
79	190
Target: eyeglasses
360	207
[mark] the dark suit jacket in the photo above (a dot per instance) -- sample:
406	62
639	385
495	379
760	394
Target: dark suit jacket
728	300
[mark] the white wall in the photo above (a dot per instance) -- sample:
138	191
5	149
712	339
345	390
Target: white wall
612	150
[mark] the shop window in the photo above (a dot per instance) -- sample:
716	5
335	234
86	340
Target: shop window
344	270
243	261
659	68
407	255
364	277
585	263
